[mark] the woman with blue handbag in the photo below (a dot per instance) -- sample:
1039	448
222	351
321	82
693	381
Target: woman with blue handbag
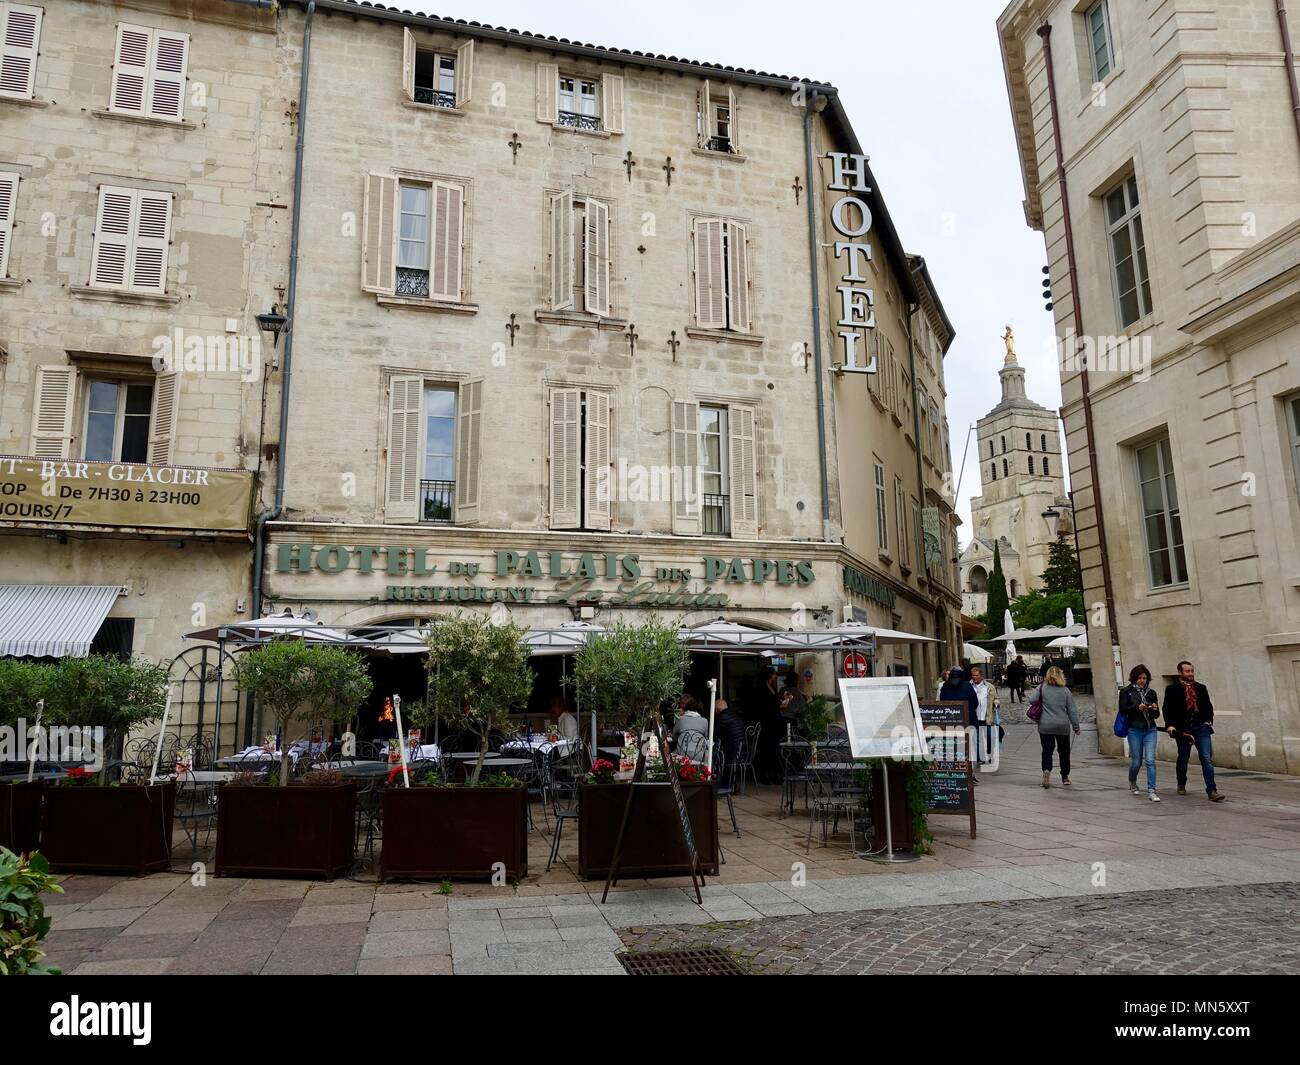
1137	718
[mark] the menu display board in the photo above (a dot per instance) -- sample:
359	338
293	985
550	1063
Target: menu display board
949	775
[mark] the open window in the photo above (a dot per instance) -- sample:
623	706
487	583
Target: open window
432	460
579	459
717	121
579	101
580	254
414	238
437	77
104	417
721	274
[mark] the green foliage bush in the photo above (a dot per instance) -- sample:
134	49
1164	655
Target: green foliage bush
23	924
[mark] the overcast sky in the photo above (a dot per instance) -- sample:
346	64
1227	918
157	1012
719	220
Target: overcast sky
922	82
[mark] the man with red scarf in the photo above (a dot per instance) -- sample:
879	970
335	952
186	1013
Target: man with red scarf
1189	719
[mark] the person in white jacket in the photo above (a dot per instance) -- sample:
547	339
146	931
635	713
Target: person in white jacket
988	705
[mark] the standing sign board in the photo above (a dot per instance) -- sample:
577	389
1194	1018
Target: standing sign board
883	718
950	775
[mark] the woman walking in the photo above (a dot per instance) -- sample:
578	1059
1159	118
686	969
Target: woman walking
1137	703
1059	717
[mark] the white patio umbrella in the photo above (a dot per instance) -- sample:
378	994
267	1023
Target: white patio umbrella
399	642
265	628
1069	641
975	653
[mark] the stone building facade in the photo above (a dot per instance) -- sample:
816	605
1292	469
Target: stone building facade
1173	236
1022	478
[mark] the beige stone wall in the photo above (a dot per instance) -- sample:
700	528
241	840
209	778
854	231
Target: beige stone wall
1199	109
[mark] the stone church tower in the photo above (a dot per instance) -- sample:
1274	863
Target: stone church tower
1022	475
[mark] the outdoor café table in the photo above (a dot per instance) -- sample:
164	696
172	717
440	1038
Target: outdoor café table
540	744
506	763
426	752
367	769
207	776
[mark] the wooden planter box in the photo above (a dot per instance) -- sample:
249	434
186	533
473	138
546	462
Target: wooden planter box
125	829
20	815
653	845
436	833
298	830
900	813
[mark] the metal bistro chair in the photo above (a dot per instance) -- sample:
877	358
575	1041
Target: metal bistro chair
725	775
564	774
533	776
744	765
835	794
370	816
794	766
196	810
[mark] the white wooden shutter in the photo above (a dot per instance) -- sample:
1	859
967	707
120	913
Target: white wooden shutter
548	92
167	76
737	277
377	233
20	39
446	259
710	278
685	459
402	473
565	457
744	473
596	258
114	225
465	73
56	390
562	251
162	421
153	229
734	115
469	435
408	64
8	208
598	480
130	69
612	101
704	116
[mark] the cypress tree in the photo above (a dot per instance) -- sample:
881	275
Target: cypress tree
997	601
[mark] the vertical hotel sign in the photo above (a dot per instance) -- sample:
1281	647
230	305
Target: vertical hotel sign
851	219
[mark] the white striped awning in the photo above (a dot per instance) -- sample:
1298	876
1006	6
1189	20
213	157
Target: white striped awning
52	620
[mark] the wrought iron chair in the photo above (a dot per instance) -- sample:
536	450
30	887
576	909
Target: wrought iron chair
836	794
744	765
725	775
196	810
564	776
794	767
370	817
693	745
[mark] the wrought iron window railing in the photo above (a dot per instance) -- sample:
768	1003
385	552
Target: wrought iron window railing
578	120
438	501
719	144
425	95
412	282
715	515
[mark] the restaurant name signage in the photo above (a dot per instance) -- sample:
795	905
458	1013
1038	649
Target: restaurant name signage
56	491
609	578
867	586
851	220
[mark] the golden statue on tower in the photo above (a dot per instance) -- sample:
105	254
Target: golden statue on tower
1009	338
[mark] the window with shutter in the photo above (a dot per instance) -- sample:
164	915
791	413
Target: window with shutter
56	388
448	241
744	474
548	92
565	460
8	209
162	420
597	493
710	274
737	277
612	93
149	72
596	258
130	70
685	459
167	77
716	117
402	462
378	233
562	251
132	233
464	73
469	435
20	38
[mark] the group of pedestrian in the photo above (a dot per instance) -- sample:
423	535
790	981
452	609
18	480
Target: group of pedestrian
1188	718
966	684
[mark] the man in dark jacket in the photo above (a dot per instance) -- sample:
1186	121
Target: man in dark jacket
957	689
1017	672
1189	719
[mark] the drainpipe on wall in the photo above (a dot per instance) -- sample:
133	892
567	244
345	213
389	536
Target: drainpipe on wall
815	103
1045	32
286	378
935	608
1289	54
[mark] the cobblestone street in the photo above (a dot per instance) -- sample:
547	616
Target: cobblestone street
1226	930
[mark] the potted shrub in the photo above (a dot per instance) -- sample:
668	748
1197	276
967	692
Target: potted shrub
478	674
305	827
89	821
626	675
23	687
23	924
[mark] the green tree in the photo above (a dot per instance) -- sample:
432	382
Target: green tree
1035	610
997	602
478	676
629	672
293	678
1062	572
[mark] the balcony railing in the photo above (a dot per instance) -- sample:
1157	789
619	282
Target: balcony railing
438	501
719	144
578	120
412	282
426	95
715	515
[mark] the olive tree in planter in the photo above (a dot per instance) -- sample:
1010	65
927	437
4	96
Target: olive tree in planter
305	828
625	675
478	674
23	686
126	827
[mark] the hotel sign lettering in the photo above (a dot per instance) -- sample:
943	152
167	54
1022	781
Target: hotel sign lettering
608	578
851	220
126	494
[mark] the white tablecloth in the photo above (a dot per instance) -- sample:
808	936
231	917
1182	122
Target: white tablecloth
426	752
540	744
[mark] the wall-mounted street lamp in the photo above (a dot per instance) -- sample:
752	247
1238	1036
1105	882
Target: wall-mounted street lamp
273	324
1052	517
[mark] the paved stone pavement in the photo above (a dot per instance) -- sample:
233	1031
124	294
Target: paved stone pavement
1033	845
1224	930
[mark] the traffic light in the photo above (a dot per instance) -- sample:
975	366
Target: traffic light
1047	287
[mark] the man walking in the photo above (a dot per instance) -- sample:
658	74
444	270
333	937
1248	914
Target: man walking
986	703
1189	719
1017	673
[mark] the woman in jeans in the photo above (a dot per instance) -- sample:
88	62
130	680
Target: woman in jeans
1059	718
1137	703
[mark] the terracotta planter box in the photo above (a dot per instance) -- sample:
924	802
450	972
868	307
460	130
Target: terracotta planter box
20	815
436	833
653	845
900	813
298	830
126	829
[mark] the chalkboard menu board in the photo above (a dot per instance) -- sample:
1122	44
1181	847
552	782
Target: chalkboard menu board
683	815
949	775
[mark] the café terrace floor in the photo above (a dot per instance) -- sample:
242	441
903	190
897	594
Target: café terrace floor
1031	844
